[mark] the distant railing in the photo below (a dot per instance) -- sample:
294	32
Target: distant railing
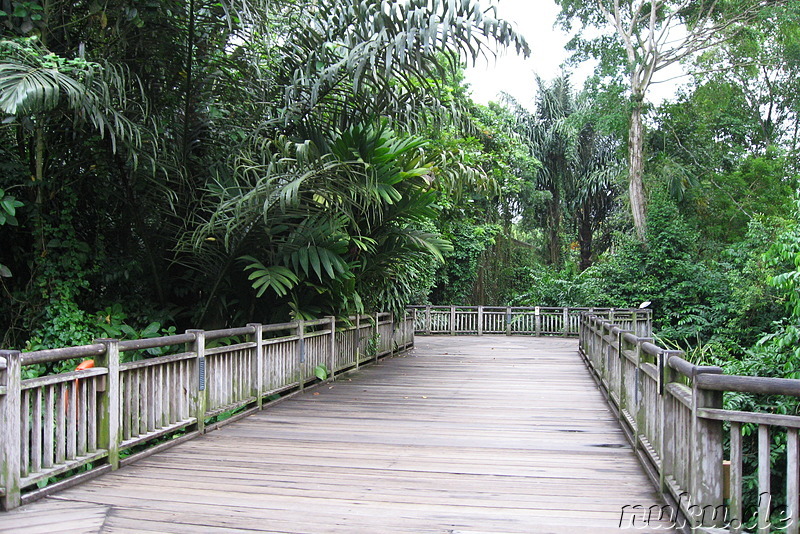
516	320
76	425
673	414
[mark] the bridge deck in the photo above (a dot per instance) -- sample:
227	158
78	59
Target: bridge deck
469	435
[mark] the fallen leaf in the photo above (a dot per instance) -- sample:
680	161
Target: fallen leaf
316	393
424	397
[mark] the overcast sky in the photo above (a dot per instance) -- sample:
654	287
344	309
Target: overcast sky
516	76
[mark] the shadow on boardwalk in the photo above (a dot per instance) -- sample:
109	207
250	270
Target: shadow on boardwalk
462	435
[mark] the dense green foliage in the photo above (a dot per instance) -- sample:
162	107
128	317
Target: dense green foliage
179	164
171	164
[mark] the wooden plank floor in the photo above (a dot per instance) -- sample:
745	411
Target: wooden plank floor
462	435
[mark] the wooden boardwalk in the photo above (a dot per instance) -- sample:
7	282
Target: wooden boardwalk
462	435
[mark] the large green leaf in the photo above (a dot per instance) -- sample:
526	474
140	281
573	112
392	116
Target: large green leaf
275	277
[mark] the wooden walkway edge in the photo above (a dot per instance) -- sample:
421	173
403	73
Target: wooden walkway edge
462	435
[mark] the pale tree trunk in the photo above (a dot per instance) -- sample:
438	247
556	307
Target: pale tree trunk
636	169
554	238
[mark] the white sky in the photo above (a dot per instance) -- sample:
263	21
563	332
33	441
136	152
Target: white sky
515	75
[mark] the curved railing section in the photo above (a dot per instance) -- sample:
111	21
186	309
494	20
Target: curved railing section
518	320
672	412
60	429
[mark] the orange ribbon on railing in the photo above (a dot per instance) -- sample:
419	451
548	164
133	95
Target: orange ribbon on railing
85	364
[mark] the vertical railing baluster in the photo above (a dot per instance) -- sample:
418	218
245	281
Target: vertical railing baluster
764	472
393	344
82	420
300	353
25	432
357	341
427	320
36	431
258	352
91	427
61	423
332	347
736	512
49	426
792	481
376	335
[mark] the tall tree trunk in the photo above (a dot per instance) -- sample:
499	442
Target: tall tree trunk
585	236
636	168
38	220
554	238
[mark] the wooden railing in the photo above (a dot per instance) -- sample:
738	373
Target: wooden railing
673	414
60	429
537	321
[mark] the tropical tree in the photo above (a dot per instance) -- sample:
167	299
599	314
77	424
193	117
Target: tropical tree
578	165
647	37
594	192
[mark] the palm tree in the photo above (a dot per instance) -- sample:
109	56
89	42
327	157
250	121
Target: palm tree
578	165
326	231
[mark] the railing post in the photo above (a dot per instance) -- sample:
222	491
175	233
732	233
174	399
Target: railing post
427	320
508	321
639	417
410	338
108	427
452	320
668	447
358	340
589	338
260	364
198	393
566	322
10	412
392	337
300	354
706	460
376	335
537	312
480	320
596	345
332	348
